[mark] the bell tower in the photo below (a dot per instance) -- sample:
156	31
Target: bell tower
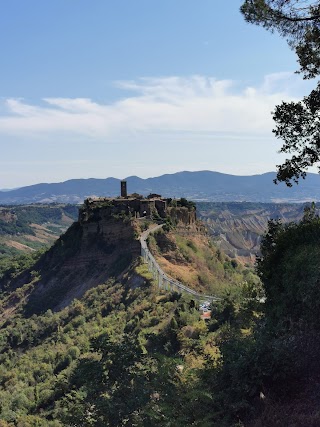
124	189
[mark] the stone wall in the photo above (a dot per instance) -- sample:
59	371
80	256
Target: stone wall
93	209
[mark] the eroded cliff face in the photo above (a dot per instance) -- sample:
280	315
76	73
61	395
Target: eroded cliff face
237	228
110	231
101	244
88	254
239	238
182	215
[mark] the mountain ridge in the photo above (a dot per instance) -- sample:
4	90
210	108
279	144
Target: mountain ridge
200	185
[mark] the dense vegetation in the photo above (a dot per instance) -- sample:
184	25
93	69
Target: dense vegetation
122	355
272	371
23	216
128	354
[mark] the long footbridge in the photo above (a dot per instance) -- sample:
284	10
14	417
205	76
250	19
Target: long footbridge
161	278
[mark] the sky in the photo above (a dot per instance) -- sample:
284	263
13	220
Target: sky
100	88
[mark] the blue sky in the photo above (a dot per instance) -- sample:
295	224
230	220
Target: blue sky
137	87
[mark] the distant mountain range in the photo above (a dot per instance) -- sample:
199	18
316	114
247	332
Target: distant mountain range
198	186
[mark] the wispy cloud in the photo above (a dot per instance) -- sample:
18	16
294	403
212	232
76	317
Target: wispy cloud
171	104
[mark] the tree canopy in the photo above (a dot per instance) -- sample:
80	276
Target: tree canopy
289	270
297	123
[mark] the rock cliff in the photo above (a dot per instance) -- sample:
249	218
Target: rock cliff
101	244
237	228
88	254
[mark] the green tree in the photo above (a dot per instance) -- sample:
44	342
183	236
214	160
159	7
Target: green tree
289	271
110	390
297	21
297	123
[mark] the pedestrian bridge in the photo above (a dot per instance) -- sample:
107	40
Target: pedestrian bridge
161	278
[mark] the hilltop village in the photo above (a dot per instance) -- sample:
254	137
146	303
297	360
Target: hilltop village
169	313
136	206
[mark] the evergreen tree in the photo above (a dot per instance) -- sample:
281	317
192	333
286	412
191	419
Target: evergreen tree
297	123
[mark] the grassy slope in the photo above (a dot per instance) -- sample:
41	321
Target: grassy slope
194	260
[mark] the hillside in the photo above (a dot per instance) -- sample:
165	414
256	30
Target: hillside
187	254
25	229
88	339
202	186
103	243
237	228
80	259
88	307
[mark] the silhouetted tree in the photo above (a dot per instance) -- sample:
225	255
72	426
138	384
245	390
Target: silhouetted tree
297	123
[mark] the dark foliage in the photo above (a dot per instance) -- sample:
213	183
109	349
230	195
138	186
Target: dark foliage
297	122
289	270
297	21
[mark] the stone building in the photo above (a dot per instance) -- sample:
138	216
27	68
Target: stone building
137	207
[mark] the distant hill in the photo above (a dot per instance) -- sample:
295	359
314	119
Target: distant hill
28	228
199	186
237	228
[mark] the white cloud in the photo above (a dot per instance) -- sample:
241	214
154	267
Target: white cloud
171	104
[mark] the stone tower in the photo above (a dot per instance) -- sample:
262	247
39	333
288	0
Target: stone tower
124	189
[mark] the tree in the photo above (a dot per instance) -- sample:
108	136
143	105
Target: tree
289	270
297	123
112	389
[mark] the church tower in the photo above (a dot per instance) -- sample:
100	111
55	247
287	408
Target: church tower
124	189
